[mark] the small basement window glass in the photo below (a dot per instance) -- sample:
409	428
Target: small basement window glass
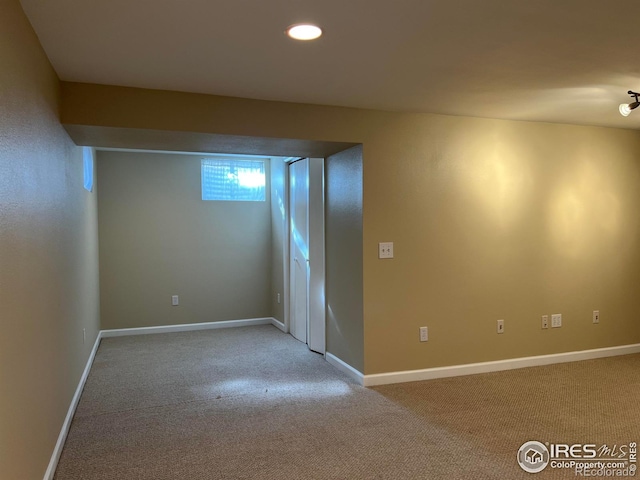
233	179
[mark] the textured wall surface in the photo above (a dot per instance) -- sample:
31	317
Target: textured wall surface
158	238
497	220
343	232
48	255
491	219
278	236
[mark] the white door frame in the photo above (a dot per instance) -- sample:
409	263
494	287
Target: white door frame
316	327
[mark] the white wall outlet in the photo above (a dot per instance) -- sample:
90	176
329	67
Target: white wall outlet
385	250
545	321
556	320
596	316
84	335
278	298
175	300
424	334
500	326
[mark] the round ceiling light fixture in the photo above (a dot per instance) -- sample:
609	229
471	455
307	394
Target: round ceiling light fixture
304	31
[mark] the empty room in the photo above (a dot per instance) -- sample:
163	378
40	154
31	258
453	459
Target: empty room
296	239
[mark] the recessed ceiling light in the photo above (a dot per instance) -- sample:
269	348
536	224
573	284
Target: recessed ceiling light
304	31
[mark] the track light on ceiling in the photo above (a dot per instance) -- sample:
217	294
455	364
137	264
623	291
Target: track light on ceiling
625	108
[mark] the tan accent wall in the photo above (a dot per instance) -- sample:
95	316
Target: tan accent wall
116	107
158	238
48	255
498	220
491	219
343	258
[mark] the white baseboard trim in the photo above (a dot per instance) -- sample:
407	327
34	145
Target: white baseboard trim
345	368
278	324
64	431
496	366
123	332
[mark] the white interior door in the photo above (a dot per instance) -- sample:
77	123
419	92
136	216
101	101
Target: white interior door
306	253
299	249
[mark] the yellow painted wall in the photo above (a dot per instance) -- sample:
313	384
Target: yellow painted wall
498	220
48	255
491	219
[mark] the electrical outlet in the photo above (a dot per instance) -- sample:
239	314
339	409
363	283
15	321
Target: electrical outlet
424	334
596	316
385	250
556	320
500	326
545	321
175	300
278	298
84	335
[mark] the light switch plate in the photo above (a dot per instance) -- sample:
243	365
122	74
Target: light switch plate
385	250
424	334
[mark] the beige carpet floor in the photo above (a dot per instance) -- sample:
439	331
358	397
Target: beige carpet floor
253	403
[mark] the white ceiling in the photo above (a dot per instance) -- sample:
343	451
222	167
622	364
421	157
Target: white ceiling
568	61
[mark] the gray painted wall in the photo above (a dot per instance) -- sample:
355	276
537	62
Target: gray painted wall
343	230
158	238
278	231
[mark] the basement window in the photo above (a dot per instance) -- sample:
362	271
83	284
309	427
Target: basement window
233	179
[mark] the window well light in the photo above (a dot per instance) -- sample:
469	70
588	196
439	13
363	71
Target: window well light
625	108
304	31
